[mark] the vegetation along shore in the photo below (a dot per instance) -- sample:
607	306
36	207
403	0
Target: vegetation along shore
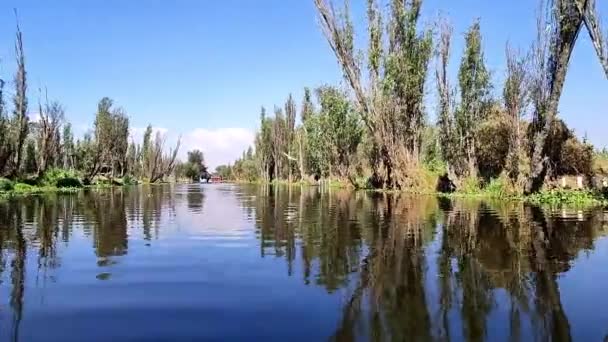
374	132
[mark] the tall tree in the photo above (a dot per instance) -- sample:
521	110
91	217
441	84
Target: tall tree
515	97
341	130
445	116
290	125
5	134
307	111
552	51
279	137
20	122
68	146
475	87
264	146
392	105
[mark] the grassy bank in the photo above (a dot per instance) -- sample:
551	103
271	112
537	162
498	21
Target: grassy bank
56	181
499	189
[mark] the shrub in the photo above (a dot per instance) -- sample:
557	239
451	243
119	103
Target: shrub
500	187
6	184
29	181
22	187
52	176
469	185
576	158
68	182
129	180
492	145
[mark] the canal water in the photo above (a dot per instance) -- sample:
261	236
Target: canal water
228	262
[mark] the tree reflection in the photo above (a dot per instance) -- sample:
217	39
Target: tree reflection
422	268
411	268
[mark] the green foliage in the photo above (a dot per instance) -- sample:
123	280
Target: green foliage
6	184
192	171
469	185
224	171
61	178
498	188
129	180
431	151
195	168
68	182
30	164
25	188
475	88
492	144
569	197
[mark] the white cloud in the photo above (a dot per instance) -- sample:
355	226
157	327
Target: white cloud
220	146
34	116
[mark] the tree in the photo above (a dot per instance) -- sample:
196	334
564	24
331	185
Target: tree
552	51
161	164
264	147
475	87
279	137
341	130
290	124
68	146
224	171
195	167
51	118
30	164
5	134
20	122
306	112
516	99
445	122
391	106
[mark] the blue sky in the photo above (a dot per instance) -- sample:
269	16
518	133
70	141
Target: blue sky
202	68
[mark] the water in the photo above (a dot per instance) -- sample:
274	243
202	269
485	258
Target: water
224	262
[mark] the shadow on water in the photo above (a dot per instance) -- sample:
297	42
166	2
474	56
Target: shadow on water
422	268
410	268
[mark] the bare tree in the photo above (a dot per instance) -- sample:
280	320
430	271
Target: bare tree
162	164
51	118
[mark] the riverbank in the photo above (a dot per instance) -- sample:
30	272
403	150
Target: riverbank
494	190
57	181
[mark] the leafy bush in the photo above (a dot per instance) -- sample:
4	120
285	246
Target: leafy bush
53	176
29	181
469	185
6	184
129	180
22	187
492	145
68	182
499	187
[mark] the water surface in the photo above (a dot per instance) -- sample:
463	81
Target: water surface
226	262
